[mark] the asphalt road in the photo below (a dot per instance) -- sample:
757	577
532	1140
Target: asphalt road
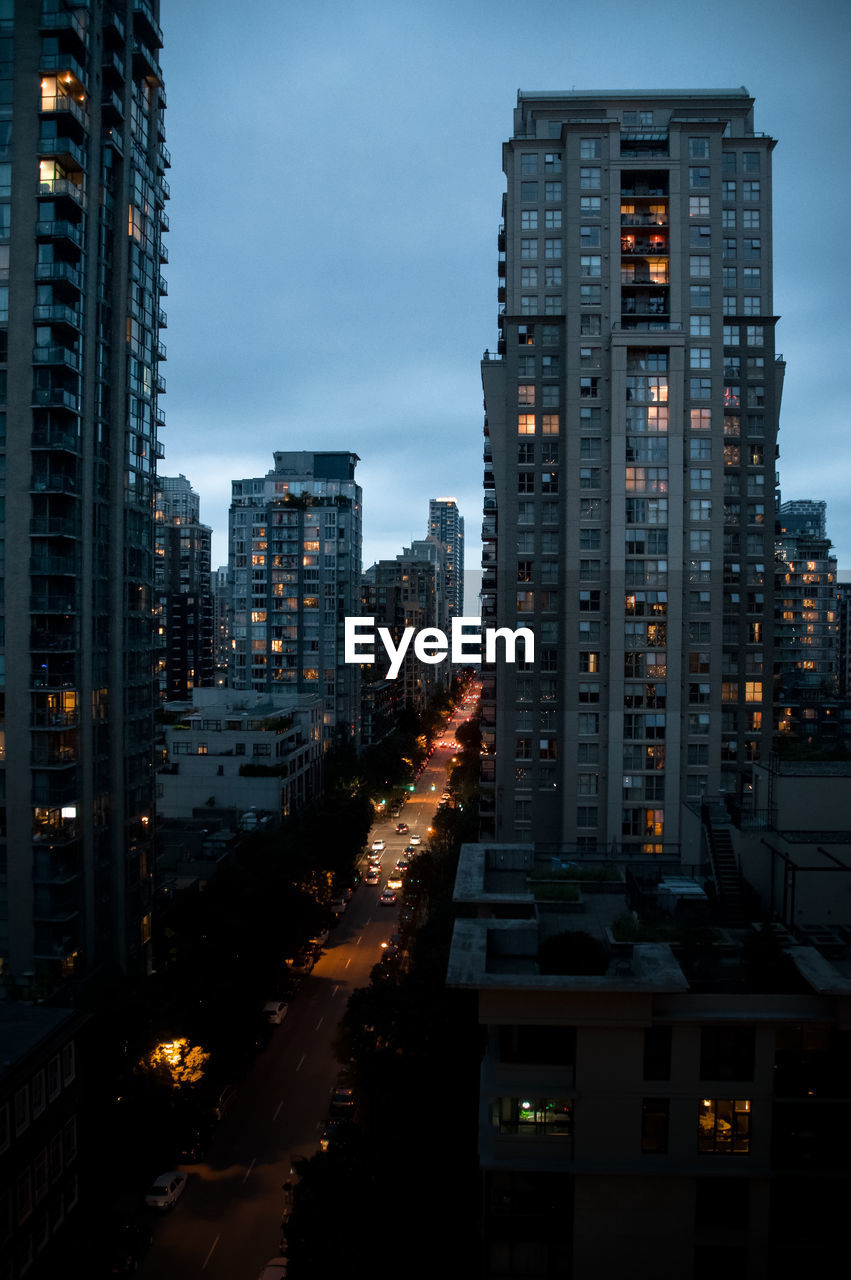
226	1225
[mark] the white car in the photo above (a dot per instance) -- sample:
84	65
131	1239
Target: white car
275	1269
378	846
275	1011
416	839
166	1191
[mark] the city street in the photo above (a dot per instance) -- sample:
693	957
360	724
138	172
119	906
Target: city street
226	1225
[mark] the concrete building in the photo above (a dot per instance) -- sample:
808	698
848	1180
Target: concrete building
630	440
294	575
260	753
82	198
446	524
184	600
41	1135
221	622
808	609
663	1095
400	593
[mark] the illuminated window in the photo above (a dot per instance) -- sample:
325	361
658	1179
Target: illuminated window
526	424
724	1126
533	1117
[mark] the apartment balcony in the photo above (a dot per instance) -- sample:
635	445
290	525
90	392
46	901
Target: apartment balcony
60	20
57	355
488	481
656	276
59	272
162	252
162	286
54	601
63	232
112	107
146	24
55	871
61	187
159	383
55	398
112	138
162	319
48	563
63	149
58	313
113	65
644	219
633	246
112	23
164	222
145	62
44	718
58	638
52	526
68	68
65	105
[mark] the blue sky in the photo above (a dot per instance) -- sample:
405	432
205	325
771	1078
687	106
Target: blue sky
336	189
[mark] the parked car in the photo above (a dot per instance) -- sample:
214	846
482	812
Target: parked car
275	1269
275	1011
338	905
166	1190
319	939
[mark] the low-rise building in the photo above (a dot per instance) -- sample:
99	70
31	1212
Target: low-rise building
255	753
670	1096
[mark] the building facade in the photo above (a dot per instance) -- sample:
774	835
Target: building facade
261	754
80	322
808	621
630	441
184	600
294	576
400	593
446	524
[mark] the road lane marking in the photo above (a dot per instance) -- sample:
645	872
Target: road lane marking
300	1061
348	962
248	1170
358	940
336	989
278	1109
319	1023
210	1254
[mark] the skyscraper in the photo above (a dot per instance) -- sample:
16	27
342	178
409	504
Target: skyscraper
82	195
447	525
295	575
808	602
184	599
631	423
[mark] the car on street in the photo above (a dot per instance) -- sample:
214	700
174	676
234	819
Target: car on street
387	899
402	864
166	1190
401	828
378	846
394	882
275	1011
409	848
372	876
275	1269
338	905
319	939
416	840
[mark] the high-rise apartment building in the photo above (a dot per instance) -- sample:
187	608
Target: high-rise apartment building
401	593
807	601
184	599
295	575
82	193
630	446
446	524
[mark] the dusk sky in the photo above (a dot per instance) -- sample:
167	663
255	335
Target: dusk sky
336	190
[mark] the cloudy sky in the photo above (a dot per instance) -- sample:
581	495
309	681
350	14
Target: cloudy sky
336	189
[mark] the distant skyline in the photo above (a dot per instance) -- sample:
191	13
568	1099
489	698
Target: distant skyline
336	187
